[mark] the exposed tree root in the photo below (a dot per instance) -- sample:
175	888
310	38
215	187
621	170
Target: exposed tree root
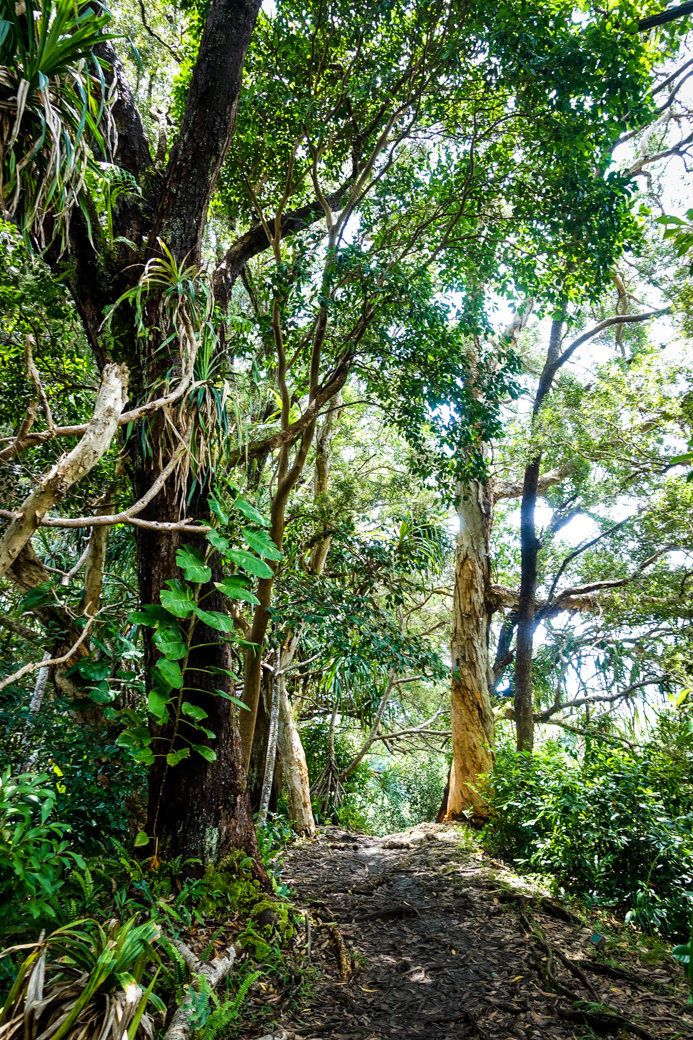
542	903
214	972
605	1019
611	972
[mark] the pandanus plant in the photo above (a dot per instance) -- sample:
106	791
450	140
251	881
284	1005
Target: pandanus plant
84	981
54	109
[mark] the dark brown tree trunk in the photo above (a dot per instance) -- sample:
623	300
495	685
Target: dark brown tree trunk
197	809
529	553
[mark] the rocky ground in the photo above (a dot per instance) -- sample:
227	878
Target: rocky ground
420	934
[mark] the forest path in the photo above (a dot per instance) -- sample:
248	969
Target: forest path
434	939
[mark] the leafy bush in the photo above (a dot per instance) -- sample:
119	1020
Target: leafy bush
95	787
34	852
407	791
404	792
314	736
612	827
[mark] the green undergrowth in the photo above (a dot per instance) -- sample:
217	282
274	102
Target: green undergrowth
612	826
224	906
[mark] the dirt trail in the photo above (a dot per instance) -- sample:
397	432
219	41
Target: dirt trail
435	940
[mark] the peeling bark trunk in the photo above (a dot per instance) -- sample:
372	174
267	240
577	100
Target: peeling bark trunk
294	767
72	467
470	709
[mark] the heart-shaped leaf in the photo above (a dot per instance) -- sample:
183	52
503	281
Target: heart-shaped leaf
193	710
157	703
171	672
170	641
193	565
234	588
206	752
174	757
219	622
250	512
178	598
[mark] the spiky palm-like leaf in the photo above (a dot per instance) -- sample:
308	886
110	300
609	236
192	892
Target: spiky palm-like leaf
53	109
84	981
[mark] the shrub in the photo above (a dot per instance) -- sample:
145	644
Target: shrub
95	786
610	827
85	981
34	852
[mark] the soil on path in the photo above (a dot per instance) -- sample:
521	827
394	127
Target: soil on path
420	935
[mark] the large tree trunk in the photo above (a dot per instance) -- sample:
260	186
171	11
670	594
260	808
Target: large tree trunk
197	809
470	708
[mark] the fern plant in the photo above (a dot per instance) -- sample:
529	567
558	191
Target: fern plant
213	1024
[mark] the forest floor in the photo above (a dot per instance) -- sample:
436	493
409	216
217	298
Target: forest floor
421	935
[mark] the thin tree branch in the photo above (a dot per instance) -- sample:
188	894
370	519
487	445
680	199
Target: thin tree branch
51	663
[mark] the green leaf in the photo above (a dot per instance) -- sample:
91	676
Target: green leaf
101	693
174	757
171	672
151	615
157	703
193	710
141	839
193	565
218	541
219	622
170	642
178	598
235	588
234	700
94	670
144	755
246	560
262	544
206	752
216	508
250	512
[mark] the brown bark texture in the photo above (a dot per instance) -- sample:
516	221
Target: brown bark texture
470	705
